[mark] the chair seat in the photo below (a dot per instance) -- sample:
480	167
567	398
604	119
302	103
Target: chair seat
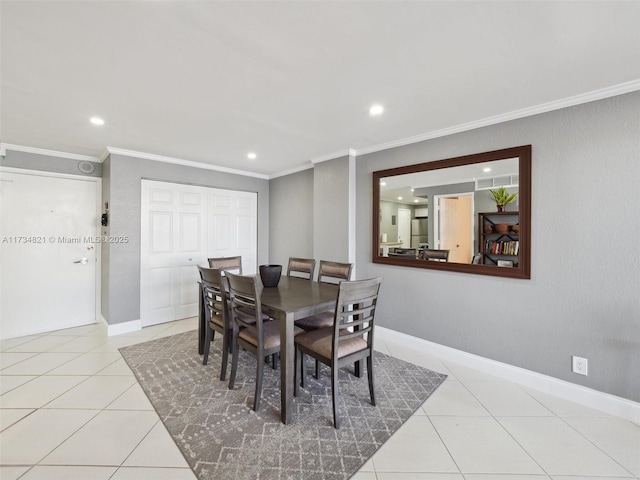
271	334
217	320
321	340
248	316
314	322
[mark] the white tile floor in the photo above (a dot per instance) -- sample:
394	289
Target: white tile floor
71	408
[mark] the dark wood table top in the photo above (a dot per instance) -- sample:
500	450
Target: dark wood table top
298	297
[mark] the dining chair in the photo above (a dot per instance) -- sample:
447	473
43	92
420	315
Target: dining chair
250	330
233	264
435	255
329	272
334	272
301	267
215	294
348	340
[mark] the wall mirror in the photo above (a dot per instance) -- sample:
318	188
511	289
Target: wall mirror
446	218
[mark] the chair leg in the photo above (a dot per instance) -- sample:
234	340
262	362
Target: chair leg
370	376
317	375
259	373
208	338
334	395
225	355
303	362
234	362
274	361
298	372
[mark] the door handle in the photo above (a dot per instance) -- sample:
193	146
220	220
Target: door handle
83	261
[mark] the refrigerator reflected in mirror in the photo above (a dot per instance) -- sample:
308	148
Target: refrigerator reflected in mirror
419	233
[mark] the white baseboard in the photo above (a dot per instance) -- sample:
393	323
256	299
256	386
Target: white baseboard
120	328
604	402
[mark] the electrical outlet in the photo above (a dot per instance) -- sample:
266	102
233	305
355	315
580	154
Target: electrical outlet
579	365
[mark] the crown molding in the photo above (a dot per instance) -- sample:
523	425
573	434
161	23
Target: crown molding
592	96
51	153
603	93
333	156
186	163
290	171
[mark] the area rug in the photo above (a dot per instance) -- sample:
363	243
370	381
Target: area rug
222	438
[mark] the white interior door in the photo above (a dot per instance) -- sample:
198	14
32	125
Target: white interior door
183	225
48	227
173	238
233	227
404	227
454	228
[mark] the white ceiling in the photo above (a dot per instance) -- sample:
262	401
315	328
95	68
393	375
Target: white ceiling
293	81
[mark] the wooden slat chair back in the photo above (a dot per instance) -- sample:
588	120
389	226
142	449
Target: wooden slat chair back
435	255
232	264
301	267
334	272
348	341
217	316
251	330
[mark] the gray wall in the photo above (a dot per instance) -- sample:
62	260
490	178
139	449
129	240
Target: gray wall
291	217
330	210
388	209
121	262
105	249
582	298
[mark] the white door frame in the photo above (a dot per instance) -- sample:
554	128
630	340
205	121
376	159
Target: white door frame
436	216
98	246
406	242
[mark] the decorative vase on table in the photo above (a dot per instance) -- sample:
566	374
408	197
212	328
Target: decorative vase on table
270	275
502	208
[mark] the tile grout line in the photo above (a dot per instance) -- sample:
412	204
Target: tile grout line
504	428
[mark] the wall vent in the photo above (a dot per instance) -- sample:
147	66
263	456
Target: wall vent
494	182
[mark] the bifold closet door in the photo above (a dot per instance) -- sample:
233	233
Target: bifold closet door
181	226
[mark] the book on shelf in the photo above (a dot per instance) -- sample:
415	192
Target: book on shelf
502	247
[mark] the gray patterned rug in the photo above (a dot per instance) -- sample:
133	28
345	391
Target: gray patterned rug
222	438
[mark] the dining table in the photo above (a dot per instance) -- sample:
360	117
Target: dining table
292	299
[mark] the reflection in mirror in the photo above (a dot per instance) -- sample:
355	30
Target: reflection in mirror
443	214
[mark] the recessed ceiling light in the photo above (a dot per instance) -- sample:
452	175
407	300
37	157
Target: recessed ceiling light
376	109
416	201
399	198
96	121
251	156
384	184
486	169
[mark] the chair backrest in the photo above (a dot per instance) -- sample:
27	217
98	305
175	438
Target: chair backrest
435	255
301	267
246	309
355	311
334	272
404	252
215	293
233	264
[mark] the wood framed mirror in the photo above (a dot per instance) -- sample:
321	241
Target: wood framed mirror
442	214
